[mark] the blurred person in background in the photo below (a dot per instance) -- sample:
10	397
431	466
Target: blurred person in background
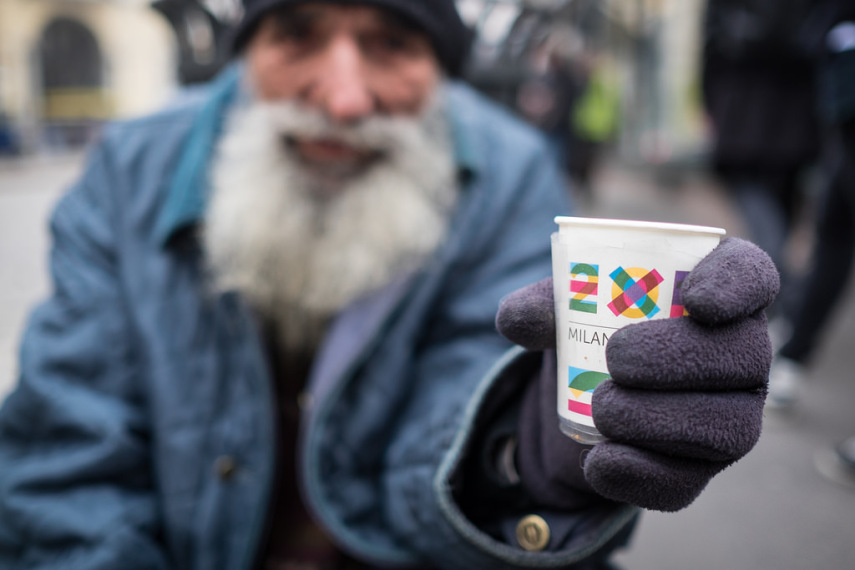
594	122
571	97
546	97
272	343
758	86
834	245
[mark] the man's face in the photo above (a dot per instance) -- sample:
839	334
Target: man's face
348	62
336	174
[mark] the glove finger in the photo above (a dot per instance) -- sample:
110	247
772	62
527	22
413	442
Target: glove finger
735	280
681	354
645	478
527	316
715	426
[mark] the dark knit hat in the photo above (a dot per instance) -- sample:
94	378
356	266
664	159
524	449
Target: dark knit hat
439	19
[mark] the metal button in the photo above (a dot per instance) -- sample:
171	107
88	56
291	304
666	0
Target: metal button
225	467
533	533
305	401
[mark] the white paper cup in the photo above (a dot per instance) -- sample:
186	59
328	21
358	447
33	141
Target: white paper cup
608	274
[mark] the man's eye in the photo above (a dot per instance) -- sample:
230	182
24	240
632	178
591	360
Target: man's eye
292	33
388	44
289	28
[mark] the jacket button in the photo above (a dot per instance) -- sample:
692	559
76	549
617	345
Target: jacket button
225	467
533	533
305	401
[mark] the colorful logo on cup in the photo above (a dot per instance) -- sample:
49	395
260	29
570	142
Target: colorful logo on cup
584	283
635	292
582	384
677	308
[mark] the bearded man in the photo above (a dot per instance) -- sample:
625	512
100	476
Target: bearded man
271	340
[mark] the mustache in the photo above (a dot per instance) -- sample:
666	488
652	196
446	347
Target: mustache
377	135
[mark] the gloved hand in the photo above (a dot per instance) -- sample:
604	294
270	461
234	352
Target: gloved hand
685	398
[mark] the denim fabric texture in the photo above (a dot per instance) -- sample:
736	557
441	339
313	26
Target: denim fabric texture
138	384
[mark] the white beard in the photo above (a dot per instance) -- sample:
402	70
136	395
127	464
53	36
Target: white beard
301	246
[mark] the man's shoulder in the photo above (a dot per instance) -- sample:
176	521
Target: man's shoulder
489	125
482	110
156	129
135	159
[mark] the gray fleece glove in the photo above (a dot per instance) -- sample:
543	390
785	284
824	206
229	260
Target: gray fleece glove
685	398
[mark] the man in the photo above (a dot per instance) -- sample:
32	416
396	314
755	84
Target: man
757	80
271	341
834	247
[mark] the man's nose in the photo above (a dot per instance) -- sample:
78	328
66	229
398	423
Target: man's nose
342	90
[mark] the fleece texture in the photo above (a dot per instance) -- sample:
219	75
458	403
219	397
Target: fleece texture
685	398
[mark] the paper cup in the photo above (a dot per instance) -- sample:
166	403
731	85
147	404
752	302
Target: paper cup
608	274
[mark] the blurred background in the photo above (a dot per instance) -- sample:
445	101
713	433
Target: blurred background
68	65
616	87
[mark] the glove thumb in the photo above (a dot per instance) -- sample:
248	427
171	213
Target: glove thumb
527	316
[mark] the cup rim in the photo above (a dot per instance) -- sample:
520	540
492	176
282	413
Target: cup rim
563	221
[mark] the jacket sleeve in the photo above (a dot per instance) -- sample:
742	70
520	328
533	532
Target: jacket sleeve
75	473
464	370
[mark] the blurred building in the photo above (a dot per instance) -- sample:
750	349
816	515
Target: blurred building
67	65
646	50
666	117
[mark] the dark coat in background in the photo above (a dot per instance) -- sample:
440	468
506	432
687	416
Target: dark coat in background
758	83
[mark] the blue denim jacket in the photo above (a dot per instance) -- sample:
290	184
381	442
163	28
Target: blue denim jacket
141	433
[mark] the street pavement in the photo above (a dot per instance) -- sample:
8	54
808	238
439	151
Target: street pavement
771	510
28	189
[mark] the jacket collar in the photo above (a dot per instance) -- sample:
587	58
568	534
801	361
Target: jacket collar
188	190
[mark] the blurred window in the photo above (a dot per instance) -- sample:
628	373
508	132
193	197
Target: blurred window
72	72
70	55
